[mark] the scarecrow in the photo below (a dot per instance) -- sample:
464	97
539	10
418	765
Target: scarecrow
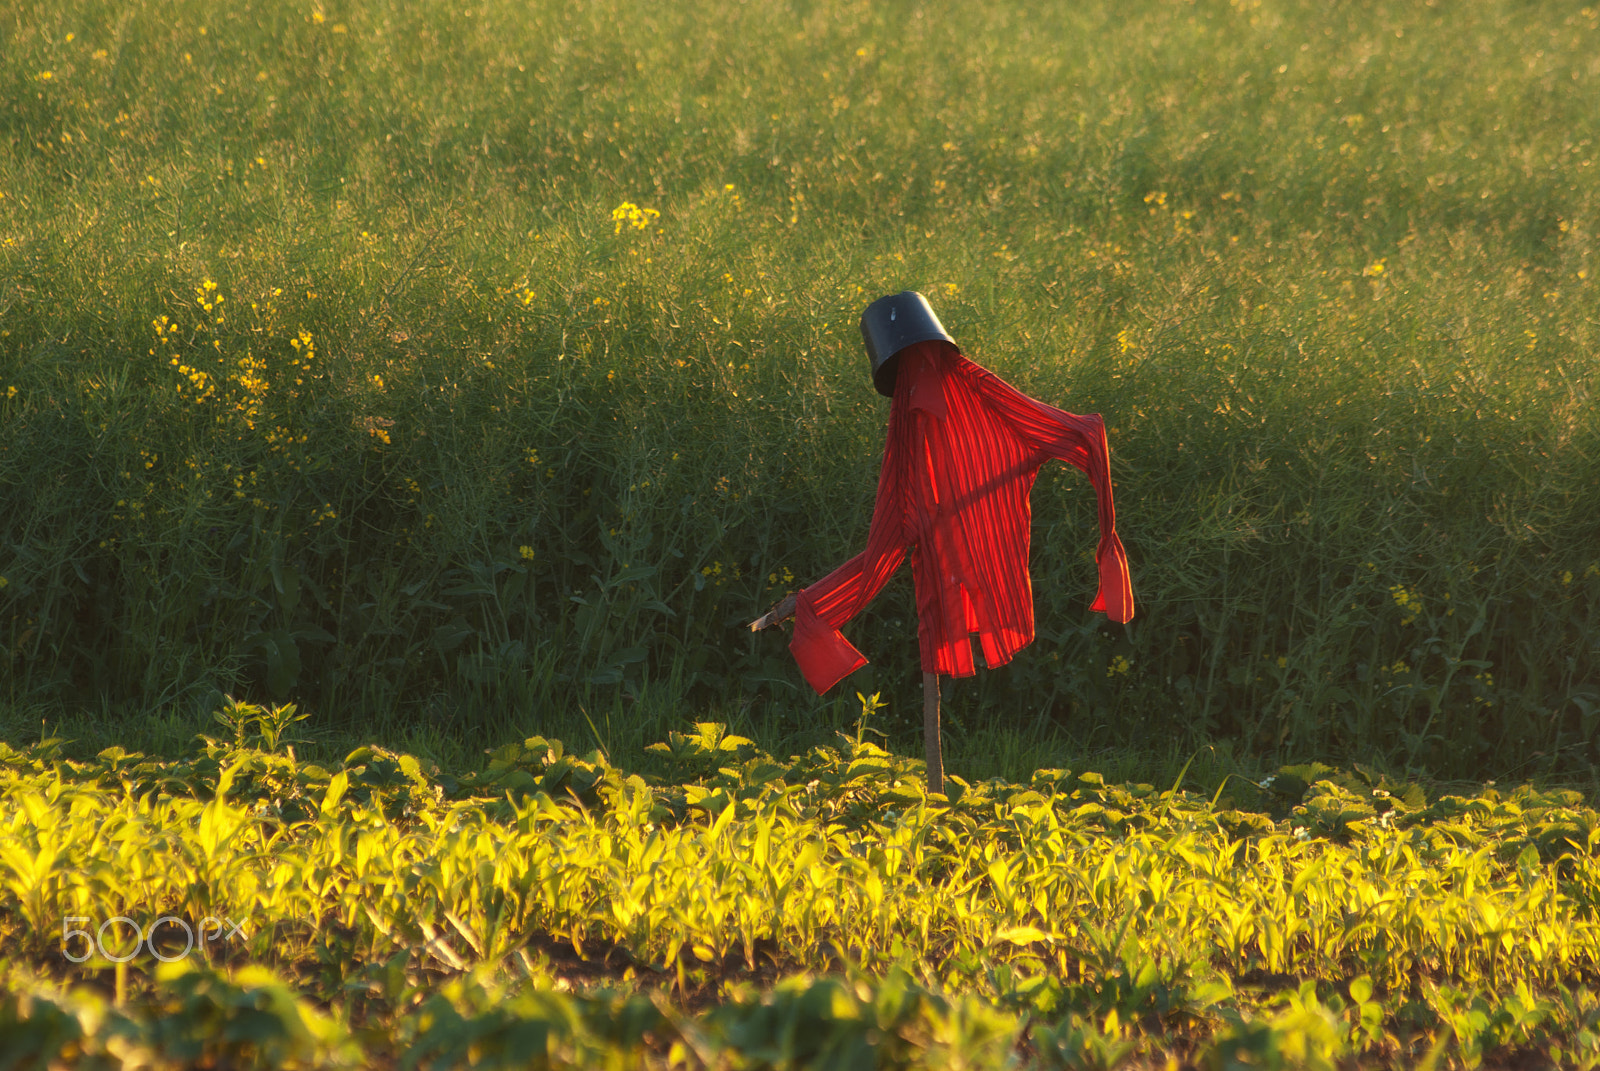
962	453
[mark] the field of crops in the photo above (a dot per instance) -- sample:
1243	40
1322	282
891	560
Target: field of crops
469	375
746	912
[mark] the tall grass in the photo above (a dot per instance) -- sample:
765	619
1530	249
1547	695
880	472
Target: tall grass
332	371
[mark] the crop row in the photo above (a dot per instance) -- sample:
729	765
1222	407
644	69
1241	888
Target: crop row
1165	914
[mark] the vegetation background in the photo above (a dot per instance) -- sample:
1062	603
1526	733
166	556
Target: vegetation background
441	378
459	372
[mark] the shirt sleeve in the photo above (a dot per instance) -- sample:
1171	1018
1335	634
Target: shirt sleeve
825	657
1080	441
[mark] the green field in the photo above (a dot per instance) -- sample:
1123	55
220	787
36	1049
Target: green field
823	911
470	374
1327	272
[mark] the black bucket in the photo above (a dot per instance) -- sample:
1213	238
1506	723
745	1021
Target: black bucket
892	323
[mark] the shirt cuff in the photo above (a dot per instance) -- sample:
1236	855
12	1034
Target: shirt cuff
1115	597
824	656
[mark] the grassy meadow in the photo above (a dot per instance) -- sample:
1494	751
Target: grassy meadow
472	374
336	369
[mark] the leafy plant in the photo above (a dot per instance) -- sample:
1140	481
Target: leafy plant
1082	921
257	726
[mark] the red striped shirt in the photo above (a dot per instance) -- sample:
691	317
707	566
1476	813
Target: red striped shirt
963	449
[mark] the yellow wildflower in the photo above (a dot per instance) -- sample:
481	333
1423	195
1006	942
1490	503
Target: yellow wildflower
1410	603
632	215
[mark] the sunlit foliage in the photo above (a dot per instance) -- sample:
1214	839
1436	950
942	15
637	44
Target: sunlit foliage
1323	912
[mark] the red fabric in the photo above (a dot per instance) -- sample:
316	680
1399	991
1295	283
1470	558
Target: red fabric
962	453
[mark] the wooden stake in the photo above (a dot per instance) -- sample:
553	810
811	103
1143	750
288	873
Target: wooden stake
930	731
930	698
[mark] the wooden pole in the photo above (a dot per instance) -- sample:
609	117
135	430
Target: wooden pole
930	731
930	698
